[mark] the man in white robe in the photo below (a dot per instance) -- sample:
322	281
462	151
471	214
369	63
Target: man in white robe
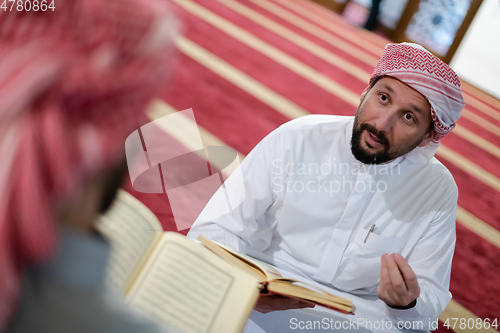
357	203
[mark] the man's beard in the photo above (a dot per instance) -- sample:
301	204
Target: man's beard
381	157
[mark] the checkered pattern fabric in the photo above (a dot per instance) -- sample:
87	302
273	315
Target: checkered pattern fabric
421	70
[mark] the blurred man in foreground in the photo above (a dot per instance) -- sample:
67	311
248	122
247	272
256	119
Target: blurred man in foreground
74	83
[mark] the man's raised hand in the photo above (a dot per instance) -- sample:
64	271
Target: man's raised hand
398	286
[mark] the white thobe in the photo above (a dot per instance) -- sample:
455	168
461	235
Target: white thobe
309	204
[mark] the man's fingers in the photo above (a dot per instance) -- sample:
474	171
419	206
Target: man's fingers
385	279
398	284
274	302
385	290
408	274
303	305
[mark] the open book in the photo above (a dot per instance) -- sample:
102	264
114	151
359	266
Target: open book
181	283
173	279
272	281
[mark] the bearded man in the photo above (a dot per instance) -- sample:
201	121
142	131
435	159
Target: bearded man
357	203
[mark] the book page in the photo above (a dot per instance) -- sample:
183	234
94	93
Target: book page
261	270
133	230
190	288
277	283
270	271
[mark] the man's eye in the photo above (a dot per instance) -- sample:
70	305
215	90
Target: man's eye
383	98
408	117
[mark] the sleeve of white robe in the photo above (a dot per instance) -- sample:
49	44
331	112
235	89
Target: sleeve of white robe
246	224
431	261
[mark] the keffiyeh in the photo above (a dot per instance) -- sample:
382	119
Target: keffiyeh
74	82
421	70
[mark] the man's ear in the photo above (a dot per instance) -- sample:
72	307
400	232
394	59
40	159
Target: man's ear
363	94
428	138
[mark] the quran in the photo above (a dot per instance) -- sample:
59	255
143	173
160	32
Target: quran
172	279
189	286
271	281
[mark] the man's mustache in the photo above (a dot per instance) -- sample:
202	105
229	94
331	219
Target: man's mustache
373	130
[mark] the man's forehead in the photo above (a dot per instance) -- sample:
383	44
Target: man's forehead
396	86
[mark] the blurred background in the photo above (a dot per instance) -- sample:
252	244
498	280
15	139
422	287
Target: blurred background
460	32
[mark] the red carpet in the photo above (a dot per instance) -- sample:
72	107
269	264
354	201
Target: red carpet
241	120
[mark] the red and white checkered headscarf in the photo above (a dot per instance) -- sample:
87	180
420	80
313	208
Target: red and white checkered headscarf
421	70
74	83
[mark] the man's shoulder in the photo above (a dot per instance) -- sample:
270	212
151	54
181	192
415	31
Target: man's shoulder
443	176
316	121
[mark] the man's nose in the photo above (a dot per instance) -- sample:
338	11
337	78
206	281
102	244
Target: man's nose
385	121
